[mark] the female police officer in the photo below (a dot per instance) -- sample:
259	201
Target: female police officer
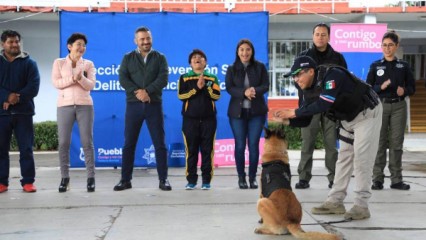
392	79
347	99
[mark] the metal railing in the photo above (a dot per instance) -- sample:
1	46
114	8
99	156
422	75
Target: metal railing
227	4
231	4
56	3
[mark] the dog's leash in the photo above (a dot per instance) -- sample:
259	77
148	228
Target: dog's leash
327	223
330	223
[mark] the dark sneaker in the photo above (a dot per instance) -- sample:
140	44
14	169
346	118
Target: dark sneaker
357	213
377	185
330	184
165	185
122	185
400	186
205	186
302	184
190	186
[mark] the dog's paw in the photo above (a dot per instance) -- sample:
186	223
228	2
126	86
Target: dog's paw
258	231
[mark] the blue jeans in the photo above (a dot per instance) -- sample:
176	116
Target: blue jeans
22	127
247	128
136	114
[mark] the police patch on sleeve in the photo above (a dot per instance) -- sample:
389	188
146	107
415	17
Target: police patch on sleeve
380	72
330	85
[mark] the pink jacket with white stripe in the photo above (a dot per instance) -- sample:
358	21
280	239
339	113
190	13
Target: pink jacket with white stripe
70	92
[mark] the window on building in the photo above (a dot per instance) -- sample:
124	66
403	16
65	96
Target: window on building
417	62
281	56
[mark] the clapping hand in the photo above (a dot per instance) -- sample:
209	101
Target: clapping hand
78	76
385	84
201	82
6	105
400	91
250	93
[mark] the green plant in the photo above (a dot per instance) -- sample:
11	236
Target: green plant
45	137
294	136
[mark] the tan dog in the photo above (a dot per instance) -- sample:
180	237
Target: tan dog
278	207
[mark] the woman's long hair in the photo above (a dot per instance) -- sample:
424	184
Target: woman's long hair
241	42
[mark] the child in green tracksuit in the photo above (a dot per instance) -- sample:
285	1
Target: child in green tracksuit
198	91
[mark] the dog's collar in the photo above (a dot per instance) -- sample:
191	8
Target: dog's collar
273	163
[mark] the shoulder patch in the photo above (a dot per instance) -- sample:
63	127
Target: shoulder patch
330	84
399	65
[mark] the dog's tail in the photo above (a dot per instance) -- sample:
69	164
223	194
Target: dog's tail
298	233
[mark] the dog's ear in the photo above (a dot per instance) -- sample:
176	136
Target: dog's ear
267	132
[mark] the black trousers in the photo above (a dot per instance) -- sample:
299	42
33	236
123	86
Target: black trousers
136	114
22	126
199	136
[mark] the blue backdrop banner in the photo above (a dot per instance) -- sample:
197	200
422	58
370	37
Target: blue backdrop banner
111	35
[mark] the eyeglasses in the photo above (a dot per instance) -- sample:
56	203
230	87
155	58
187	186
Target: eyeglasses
80	45
389	45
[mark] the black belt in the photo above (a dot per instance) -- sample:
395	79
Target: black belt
392	100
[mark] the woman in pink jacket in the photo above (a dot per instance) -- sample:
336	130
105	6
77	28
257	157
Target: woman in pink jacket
74	77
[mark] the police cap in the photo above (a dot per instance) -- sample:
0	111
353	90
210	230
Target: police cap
301	63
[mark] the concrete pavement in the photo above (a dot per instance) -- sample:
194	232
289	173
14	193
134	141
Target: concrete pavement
224	212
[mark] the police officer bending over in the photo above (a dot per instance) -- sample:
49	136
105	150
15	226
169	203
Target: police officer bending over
344	98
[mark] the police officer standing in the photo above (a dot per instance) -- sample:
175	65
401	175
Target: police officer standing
393	80
352	102
322	53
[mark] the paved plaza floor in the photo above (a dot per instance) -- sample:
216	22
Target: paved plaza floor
222	213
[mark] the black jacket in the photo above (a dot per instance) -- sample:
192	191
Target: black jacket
19	76
329	56
198	103
340	94
258	78
398	71
152	76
